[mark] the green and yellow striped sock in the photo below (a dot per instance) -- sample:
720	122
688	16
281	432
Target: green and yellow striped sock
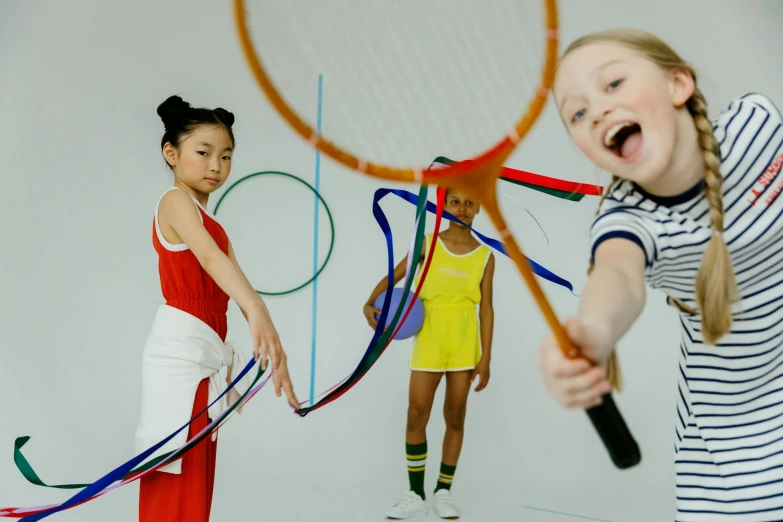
416	455
446	476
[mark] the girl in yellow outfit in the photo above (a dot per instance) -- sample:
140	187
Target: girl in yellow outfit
454	340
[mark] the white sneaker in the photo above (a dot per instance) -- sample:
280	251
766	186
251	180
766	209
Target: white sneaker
410	505
444	505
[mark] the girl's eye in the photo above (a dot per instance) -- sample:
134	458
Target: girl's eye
203	153
227	158
615	84
577	115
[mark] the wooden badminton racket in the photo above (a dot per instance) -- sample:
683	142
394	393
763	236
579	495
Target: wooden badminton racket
405	82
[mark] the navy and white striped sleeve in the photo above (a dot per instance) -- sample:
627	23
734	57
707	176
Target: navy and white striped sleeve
744	114
627	223
763	102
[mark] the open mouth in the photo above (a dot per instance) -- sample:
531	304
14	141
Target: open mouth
624	139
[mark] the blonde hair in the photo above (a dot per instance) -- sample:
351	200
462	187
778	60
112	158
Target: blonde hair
716	285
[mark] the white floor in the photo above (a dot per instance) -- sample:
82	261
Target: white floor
322	501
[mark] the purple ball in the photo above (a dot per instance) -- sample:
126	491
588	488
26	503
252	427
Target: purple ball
415	318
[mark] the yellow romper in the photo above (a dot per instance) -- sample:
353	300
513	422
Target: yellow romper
449	338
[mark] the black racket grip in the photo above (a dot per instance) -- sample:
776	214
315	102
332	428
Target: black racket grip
616	436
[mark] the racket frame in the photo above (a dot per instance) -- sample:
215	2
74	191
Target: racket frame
476	177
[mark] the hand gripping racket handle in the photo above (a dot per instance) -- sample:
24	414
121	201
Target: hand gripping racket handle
616	436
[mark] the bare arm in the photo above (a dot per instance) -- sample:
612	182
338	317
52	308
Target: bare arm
614	295
399	273
178	212
486	311
233	259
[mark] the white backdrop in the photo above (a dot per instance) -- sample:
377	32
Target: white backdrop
81	171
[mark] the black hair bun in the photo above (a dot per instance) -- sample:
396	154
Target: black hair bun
225	116
173	109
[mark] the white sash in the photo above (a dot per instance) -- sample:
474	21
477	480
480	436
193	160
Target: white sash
180	352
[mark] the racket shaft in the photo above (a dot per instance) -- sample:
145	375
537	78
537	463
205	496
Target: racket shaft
619	442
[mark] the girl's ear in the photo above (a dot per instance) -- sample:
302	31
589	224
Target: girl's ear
682	86
170	154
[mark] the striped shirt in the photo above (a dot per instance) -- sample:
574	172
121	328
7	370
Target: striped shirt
729	419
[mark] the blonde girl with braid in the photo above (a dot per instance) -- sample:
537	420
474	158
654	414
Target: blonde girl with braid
693	210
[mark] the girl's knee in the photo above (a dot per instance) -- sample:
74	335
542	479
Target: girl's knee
454	416
417	417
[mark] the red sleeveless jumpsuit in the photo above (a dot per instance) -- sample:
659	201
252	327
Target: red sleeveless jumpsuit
187	497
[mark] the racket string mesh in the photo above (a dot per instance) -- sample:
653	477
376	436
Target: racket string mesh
404	81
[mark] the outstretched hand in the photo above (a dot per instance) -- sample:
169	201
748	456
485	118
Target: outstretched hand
266	344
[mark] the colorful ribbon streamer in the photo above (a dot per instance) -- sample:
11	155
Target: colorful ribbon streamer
382	337
383	334
127	472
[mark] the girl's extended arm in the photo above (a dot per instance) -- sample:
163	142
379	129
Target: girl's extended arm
613	297
233	259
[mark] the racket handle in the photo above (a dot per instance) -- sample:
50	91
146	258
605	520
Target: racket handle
614	433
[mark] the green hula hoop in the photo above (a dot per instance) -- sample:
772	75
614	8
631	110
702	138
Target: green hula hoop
328	212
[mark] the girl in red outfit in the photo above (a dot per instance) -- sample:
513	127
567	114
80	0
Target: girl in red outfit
187	346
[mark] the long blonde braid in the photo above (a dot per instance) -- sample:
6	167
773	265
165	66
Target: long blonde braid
716	285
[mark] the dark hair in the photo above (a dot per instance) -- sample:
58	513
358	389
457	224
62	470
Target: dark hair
180	119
